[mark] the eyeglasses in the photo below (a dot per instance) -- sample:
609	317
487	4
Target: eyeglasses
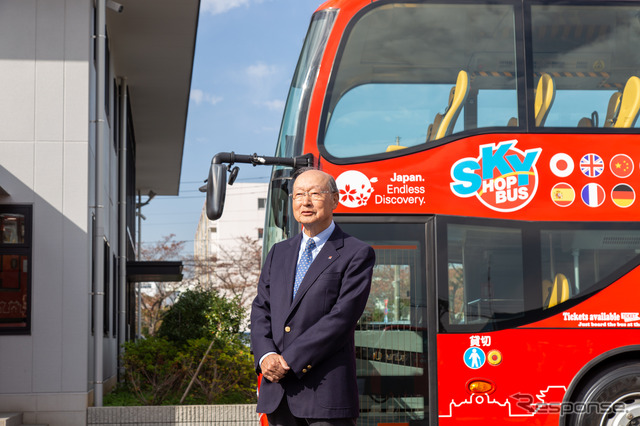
315	195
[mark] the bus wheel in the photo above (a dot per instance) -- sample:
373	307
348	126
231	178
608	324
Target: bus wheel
612	398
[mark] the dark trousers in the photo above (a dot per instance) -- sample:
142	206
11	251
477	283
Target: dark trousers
283	417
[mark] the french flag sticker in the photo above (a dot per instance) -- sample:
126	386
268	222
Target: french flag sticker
593	195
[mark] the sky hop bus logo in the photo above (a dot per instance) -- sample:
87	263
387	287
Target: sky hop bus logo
502	177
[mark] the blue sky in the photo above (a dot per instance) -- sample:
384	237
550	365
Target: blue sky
246	53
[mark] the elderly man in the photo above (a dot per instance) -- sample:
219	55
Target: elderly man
312	291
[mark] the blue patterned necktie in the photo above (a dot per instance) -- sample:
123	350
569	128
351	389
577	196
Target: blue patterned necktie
303	265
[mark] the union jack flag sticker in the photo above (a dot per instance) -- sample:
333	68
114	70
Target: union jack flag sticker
591	165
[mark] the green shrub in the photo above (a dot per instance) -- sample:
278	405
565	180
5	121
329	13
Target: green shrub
226	375
197	314
153	371
159	369
121	396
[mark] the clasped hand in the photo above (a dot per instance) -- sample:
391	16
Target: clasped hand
274	367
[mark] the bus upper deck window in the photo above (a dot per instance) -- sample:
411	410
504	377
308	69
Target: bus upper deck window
591	54
396	69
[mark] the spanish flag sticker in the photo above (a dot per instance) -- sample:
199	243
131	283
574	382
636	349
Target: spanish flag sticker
563	194
623	195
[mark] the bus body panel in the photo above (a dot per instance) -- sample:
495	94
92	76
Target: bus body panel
536	369
508	176
533	366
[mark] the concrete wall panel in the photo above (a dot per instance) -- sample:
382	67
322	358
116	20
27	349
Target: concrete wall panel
76	279
17	171
49	81
17	69
48	255
16	353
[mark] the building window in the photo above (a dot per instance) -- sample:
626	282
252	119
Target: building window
116	296
15	269
262	202
106	289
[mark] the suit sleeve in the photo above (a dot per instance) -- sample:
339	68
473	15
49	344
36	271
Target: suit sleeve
334	330
261	334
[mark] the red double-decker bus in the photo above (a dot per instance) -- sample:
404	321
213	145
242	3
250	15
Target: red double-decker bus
488	151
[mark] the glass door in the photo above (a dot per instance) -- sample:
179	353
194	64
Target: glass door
391	336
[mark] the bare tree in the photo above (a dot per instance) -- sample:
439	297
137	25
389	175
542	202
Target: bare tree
234	272
154	302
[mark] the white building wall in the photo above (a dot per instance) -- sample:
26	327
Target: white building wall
45	50
47	161
241	217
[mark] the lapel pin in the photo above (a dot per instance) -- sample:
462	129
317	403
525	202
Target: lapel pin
330	257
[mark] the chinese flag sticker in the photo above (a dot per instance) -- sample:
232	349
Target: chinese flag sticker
621	166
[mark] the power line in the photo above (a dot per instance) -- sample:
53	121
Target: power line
250	179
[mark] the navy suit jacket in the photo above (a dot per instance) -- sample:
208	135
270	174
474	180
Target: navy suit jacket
315	332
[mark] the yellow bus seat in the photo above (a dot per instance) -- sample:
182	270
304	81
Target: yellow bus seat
545	95
612	109
612	113
395	147
457	98
429	132
433	128
560	291
585	122
629	105
546	292
391	148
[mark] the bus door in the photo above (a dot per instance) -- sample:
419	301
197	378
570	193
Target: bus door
392	337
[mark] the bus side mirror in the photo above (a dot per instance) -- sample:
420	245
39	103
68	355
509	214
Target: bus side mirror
216	191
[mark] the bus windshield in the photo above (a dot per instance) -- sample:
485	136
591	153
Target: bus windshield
279	224
293	122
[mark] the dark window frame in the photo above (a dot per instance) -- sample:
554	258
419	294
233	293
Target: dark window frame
21	249
115	295
106	313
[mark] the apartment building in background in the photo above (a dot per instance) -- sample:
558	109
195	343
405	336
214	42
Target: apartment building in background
243	216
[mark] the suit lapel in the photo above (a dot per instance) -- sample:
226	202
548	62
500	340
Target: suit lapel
326	257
